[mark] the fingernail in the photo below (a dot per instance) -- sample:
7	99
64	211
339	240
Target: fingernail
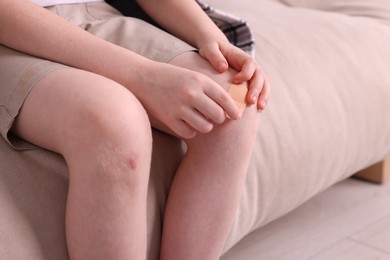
254	97
222	65
262	106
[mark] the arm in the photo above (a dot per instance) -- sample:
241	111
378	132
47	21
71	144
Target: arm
31	29
183	18
192	25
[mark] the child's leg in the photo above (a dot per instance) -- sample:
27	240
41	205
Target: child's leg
207	187
104	135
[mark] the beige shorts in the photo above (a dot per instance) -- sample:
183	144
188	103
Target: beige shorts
20	72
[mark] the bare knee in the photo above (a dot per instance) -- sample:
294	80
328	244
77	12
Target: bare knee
114	138
96	124
238	135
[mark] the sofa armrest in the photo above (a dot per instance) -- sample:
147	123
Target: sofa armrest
377	173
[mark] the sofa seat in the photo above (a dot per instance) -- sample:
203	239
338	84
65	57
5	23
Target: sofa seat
327	119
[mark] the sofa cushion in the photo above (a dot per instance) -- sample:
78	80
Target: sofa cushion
327	117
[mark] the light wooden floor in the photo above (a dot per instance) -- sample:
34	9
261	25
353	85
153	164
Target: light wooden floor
350	221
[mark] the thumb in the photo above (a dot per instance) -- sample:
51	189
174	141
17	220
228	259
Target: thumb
215	57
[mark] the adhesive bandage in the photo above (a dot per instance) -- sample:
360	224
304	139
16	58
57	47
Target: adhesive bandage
238	92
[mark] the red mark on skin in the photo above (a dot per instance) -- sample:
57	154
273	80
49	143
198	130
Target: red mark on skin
132	163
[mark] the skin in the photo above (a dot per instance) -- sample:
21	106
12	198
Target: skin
98	116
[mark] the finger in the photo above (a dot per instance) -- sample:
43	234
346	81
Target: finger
215	57
210	110
222	98
245	72
197	121
183	130
264	95
255	87
242	62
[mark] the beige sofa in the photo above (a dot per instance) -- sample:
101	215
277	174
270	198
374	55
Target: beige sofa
329	65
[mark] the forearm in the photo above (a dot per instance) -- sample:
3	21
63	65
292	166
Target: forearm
29	28
183	18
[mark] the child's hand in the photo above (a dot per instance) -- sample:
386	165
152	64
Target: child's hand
186	101
223	55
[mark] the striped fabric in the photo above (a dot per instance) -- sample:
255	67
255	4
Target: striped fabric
236	30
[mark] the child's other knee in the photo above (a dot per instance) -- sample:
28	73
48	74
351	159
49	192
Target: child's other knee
245	128
238	134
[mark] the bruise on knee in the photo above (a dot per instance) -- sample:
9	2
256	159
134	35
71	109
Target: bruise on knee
112	158
132	162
